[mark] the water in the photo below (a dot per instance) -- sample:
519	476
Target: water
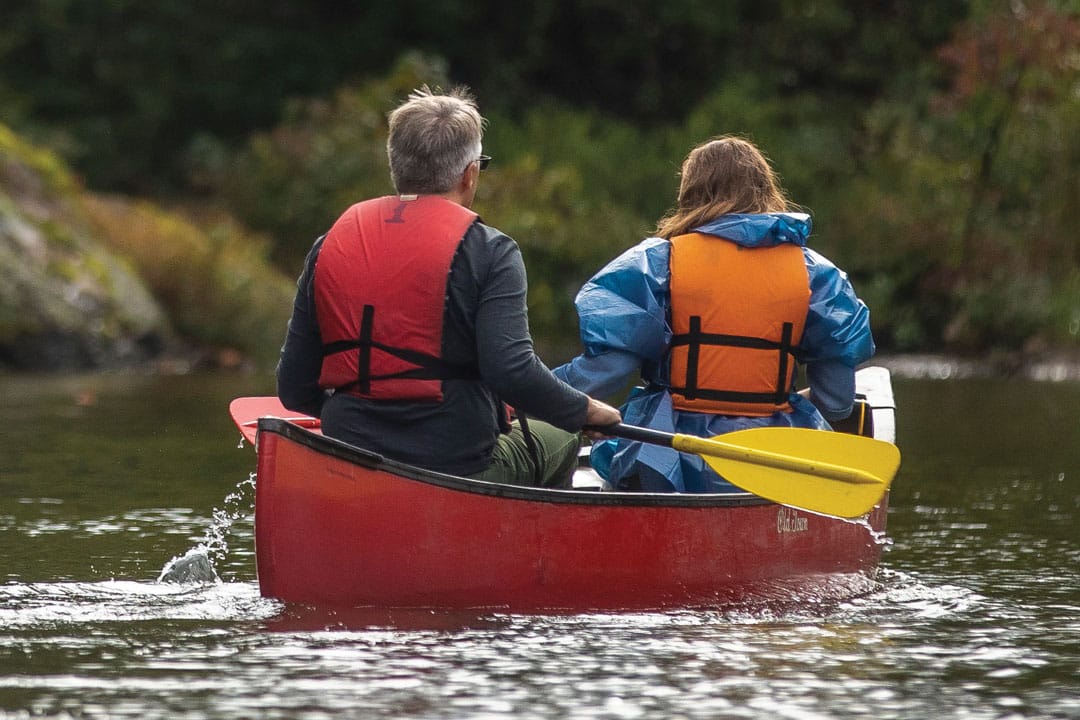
105	479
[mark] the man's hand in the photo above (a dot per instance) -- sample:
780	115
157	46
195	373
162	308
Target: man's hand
598	415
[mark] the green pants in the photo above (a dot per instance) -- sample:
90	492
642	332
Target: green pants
512	463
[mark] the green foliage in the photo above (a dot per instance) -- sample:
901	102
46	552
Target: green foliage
617	162
40	171
565	237
956	226
935	144
294	180
1008	308
213	279
807	141
835	49
1064	330
123	86
127	88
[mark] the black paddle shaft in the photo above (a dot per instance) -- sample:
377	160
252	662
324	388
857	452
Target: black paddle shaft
632	432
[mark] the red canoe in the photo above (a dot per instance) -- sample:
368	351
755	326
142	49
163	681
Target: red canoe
337	525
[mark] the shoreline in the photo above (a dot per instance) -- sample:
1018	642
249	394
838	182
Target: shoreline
1059	366
1053	367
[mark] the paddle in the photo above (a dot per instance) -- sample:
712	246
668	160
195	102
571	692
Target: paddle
830	473
825	472
246	411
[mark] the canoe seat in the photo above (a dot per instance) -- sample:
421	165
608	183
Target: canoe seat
861	420
585	478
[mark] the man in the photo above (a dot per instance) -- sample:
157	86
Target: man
410	330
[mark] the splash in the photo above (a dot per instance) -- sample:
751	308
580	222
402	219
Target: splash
194	566
880	537
197	565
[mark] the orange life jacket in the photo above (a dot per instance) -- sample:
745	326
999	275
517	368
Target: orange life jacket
737	314
380	290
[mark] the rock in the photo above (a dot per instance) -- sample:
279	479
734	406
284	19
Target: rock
66	302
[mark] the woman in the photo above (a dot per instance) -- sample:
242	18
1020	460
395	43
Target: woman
715	313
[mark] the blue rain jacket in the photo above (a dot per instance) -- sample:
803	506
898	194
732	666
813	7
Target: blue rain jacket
623	315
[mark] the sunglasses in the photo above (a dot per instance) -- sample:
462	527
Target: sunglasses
484	161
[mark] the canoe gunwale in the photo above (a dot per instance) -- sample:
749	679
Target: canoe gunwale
365	458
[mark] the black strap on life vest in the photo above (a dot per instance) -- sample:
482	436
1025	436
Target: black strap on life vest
429	367
695	338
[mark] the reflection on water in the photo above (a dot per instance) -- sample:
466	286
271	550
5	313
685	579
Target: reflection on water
974	614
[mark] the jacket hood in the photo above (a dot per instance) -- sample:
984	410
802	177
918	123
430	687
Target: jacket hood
763	230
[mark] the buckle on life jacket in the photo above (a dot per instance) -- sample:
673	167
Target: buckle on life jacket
694	339
428	367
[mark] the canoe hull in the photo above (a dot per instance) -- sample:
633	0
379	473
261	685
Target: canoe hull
338	526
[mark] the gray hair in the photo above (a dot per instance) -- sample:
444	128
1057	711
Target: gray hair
433	138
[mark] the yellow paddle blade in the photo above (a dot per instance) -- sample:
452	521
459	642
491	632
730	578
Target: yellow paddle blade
826	472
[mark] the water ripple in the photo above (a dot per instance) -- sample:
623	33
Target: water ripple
50	605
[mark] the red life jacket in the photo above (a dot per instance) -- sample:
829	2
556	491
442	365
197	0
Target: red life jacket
380	292
737	314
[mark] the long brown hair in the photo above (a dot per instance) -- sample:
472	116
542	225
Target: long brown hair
726	174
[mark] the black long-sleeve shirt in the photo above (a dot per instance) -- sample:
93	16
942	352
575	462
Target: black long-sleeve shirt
485	324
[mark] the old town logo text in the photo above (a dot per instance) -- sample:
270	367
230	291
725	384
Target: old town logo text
789	521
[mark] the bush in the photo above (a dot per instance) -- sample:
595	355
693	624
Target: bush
213	278
294	181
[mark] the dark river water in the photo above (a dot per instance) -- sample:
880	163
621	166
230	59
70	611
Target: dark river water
104	479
